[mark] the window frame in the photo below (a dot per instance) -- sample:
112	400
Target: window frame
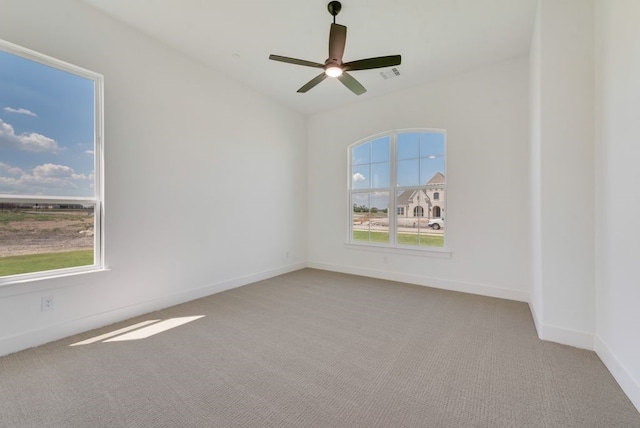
392	191
97	200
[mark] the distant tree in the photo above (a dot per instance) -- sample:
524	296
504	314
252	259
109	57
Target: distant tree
374	210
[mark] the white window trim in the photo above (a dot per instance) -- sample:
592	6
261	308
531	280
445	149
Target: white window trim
440	252
98	199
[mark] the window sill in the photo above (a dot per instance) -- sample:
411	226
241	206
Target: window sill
7	281
435	252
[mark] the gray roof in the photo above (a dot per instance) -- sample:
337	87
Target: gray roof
438	178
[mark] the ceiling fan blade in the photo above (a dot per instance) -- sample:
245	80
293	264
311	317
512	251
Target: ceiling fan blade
295	61
350	82
370	63
337	40
313	82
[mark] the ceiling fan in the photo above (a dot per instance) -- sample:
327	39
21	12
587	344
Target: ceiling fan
333	66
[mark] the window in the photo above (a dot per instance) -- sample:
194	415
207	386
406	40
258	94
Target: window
50	166
395	173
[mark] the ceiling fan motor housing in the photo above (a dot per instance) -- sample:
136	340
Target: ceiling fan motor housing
334	8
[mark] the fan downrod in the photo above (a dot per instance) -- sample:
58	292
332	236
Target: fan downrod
334	8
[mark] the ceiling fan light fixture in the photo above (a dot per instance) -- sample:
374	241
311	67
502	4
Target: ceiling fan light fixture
333	71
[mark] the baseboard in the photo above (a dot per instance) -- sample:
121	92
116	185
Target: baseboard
464	287
564	336
630	386
29	339
536	319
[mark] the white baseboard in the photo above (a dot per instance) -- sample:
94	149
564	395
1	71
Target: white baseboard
577	339
29	339
464	287
629	385
564	336
536	319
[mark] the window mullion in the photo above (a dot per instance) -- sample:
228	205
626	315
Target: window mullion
393	210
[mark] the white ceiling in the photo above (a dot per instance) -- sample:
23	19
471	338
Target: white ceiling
434	37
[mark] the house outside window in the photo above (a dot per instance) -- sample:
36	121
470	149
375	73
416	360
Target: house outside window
401	172
50	166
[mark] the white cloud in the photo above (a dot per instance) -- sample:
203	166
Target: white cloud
32	142
89	152
40	179
10	170
51	170
20	111
358	177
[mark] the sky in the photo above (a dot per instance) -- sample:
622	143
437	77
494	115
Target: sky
46	130
419	156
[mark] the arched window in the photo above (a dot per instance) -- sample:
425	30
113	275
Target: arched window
386	171
437	212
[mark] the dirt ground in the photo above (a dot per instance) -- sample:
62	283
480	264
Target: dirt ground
46	232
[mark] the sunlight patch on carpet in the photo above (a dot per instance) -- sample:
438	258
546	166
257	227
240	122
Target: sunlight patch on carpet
139	331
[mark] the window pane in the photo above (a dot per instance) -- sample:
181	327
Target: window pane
408	145
360	177
408	225
371	217
380	150
431	238
413	226
46	130
432	143
408	173
40	237
361	154
429	168
360	223
379	217
380	175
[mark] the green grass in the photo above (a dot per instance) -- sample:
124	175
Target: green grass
19	216
403	238
14	265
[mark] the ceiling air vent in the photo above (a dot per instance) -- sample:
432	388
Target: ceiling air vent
389	74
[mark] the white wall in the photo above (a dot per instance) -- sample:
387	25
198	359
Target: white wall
535	171
618	207
485	113
562	63
184	148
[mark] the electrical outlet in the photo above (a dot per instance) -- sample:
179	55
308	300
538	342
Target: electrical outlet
47	303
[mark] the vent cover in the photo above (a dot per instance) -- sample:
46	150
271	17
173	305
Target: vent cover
389	74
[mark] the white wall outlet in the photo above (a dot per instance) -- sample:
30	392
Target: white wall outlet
47	303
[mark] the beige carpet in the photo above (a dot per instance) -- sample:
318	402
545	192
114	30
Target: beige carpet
319	349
